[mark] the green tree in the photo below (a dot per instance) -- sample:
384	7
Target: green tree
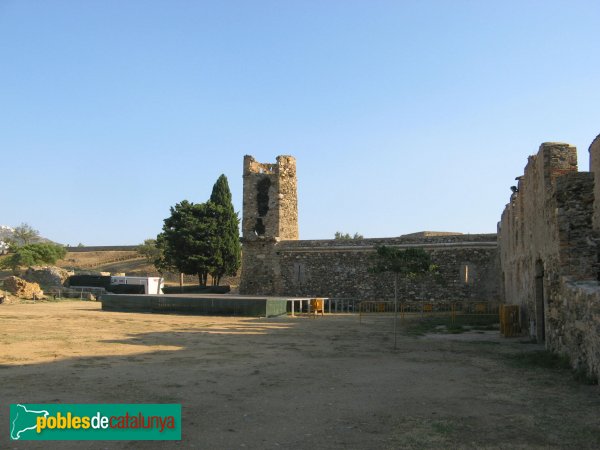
33	255
407	264
189	239
228	249
200	239
23	234
161	262
346	236
149	250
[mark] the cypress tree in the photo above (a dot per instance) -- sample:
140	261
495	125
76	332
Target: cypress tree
228	249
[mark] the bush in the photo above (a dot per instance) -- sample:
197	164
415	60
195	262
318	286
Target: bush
34	255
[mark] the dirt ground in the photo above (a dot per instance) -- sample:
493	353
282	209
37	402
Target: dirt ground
286	382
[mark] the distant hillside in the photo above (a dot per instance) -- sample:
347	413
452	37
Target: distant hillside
119	261
103	248
128	261
98	260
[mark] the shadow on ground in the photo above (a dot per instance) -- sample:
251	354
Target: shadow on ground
302	383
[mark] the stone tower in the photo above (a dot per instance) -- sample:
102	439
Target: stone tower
270	214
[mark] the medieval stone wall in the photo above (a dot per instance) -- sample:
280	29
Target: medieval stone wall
270	214
270	202
261	271
595	168
575	329
528	233
549	254
275	262
331	268
468	269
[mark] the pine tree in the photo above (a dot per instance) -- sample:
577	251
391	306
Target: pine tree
190	239
228	250
202	239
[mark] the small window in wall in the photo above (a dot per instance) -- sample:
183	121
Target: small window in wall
298	275
467	274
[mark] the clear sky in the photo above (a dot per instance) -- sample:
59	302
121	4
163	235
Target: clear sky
403	115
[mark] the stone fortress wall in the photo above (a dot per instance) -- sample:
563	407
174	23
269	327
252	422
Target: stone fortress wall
334	268
545	257
276	262
549	246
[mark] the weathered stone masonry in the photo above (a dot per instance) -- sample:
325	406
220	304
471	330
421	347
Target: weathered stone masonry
334	268
545	257
270	214
275	262
548	239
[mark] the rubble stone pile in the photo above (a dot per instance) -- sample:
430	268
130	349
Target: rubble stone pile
47	275
23	289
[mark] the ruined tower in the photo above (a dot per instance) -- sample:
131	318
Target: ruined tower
270	214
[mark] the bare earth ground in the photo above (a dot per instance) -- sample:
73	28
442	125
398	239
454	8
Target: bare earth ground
291	382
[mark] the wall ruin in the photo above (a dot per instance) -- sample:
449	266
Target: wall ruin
270	202
544	257
335	268
275	262
270	214
549	253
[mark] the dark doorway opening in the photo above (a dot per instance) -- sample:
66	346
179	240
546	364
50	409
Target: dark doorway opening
540	314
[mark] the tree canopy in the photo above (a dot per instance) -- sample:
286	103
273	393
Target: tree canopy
228	247
149	250
408	263
33	255
23	234
347	236
202	239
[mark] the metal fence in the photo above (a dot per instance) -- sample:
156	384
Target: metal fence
341	305
82	293
427	308
337	305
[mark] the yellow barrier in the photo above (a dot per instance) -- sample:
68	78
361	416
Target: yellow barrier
317	305
452	309
509	320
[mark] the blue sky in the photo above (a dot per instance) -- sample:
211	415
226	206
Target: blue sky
403	115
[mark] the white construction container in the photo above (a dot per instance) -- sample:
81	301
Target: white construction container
152	285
